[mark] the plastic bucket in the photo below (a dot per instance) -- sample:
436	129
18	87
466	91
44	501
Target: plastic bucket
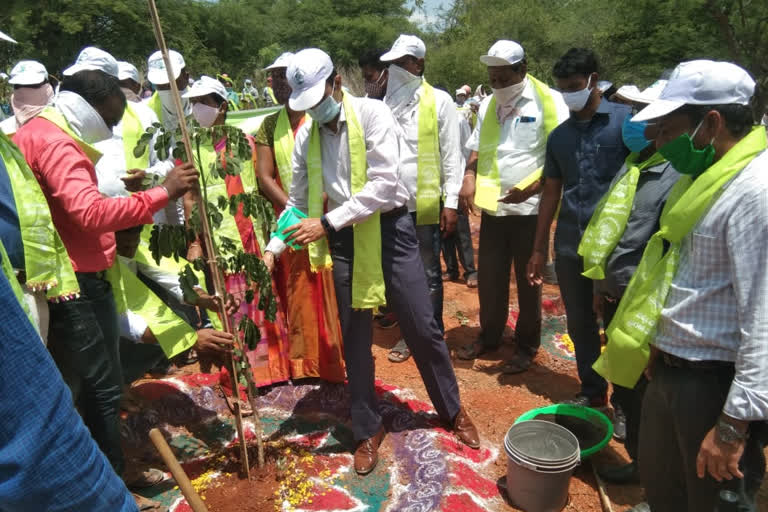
541	459
287	219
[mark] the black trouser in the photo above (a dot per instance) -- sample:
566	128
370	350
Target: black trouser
83	341
506	242
680	406
466	252
409	299
630	400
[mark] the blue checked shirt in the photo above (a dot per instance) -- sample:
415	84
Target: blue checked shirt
717	307
48	459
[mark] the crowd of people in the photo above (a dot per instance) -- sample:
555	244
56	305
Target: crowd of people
659	198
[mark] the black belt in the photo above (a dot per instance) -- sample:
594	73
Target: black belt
679	362
395	212
102	274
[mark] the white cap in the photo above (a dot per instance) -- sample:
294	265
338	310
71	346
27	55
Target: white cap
28	72
405	45
6	37
156	72
635	95
503	53
461	91
701	82
127	71
204	86
281	62
307	73
93	59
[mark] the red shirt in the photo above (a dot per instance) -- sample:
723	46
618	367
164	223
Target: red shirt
85	219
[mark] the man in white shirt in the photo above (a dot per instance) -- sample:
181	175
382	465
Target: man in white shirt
358	147
522	111
161	102
430	159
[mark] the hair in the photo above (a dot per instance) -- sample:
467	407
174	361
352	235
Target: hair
739	119
576	61
93	86
372	59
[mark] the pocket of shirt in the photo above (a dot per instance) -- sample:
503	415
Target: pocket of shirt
707	253
526	135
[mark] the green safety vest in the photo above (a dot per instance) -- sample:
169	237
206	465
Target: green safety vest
428	161
132	132
367	274
488	186
156	105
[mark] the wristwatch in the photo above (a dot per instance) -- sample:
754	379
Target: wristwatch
327	226
727	433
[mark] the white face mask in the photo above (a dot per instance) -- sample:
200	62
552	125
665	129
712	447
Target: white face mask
205	114
509	94
401	85
576	101
170	120
84	120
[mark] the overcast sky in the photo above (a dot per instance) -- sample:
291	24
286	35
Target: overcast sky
431	7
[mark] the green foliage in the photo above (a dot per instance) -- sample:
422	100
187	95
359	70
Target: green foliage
167	241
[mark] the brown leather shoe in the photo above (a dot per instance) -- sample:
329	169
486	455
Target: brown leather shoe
466	430
367	453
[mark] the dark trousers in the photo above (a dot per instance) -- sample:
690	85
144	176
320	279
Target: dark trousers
461	242
681	405
506	242
630	400
577	291
83	341
409	300
429	250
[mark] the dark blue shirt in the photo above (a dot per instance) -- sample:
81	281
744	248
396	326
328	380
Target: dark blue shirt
585	156
10	233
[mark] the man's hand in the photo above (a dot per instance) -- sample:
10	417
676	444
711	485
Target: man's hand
535	267
194	252
133	182
306	231
211	340
180	180
467	195
719	459
449	217
514	196
269	260
209	302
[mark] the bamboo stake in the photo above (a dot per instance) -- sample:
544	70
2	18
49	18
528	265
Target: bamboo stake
177	471
216	274
605	502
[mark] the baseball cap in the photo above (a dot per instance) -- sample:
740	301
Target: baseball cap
28	72
93	59
635	95
461	91
701	82
307	72
127	71
204	86
281	62
156	72
405	45
503	53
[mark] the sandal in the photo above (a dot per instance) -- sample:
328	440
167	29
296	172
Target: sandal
473	351
518	364
400	352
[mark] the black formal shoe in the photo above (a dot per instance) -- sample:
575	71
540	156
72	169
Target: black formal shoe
625	474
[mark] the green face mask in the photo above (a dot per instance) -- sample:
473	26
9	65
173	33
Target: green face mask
685	158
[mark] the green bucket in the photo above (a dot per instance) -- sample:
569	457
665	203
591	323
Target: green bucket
585	423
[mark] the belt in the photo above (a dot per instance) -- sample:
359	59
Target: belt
102	274
679	362
395	212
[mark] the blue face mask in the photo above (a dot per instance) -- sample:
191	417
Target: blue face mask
633	134
326	110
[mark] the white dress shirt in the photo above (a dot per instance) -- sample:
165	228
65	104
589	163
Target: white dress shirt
9	126
717	307
111	166
384	191
451	171
522	145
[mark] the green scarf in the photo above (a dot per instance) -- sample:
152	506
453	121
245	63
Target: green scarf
156	105
283	147
46	261
609	221
15	286
488	187
367	274
630	333
132	132
428	163
57	118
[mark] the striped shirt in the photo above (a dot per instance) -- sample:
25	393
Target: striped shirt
717	307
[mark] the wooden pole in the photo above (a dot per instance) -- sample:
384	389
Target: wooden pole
177	471
605	502
216	274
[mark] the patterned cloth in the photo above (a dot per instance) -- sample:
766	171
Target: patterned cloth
716	307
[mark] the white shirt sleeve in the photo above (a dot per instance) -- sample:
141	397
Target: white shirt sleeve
132	326
450	151
169	281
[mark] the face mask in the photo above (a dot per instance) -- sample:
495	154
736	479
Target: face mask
378	88
507	95
84	120
633	134
28	102
684	156
170	119
401	86
204	114
326	110
576	101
